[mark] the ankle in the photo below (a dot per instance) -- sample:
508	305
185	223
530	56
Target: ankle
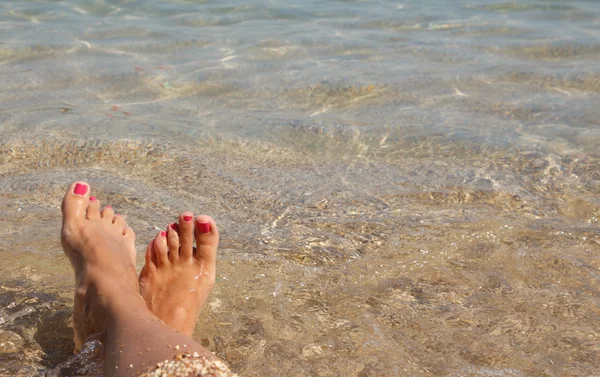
111	283
109	302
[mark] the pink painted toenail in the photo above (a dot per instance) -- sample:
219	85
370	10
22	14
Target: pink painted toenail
108	207
163	233
80	189
204	227
175	227
188	219
92	198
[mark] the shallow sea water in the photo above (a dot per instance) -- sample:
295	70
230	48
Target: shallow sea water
404	188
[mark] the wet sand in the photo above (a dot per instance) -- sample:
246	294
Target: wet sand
400	191
382	270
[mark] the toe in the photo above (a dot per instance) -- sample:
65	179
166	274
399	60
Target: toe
186	235
129	236
160	248
75	202
119	221
150	266
173	242
93	209
108	213
207	240
129	233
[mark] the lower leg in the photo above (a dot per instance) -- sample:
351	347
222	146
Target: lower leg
107	301
136	340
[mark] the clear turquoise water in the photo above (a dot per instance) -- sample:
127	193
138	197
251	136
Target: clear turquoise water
488	71
404	187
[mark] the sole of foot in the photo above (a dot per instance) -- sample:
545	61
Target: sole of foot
177	278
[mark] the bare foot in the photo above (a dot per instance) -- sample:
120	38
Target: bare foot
178	277
101	248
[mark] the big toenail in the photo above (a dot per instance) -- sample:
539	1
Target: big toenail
92	198
204	227
163	233
188	219
80	189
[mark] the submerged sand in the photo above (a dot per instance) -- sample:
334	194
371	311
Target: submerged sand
378	269
402	190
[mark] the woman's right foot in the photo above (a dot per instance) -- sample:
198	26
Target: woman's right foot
178	277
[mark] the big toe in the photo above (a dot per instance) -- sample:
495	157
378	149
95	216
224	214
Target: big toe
75	202
207	241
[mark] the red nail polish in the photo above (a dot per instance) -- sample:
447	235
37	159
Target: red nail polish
204	227
80	189
175	227
188	219
107	207
163	233
92	198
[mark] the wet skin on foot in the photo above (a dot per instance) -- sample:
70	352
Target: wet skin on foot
178	277
175	281
101	249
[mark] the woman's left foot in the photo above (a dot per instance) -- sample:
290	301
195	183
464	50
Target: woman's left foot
178	277
101	248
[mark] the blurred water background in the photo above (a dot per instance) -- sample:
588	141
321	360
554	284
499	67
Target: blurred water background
404	188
